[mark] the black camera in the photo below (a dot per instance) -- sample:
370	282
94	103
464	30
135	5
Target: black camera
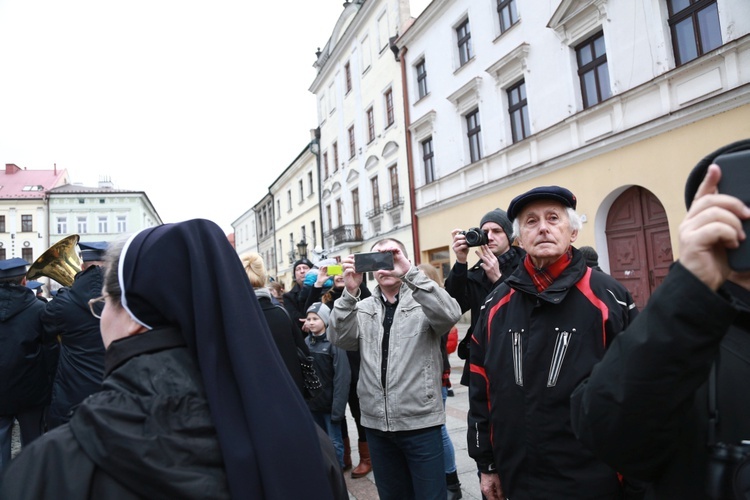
728	471
475	237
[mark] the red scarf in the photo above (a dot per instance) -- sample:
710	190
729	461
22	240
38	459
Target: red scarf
543	278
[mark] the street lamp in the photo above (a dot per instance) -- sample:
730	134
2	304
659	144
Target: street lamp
302	249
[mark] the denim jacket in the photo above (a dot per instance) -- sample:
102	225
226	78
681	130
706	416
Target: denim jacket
411	398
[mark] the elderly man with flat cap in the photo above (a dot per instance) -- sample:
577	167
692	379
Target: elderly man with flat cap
81	367
539	335
26	356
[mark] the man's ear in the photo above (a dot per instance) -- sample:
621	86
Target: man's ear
573	235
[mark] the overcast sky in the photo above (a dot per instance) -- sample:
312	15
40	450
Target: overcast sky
201	104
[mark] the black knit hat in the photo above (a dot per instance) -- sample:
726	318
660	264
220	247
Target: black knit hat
499	217
699	171
302	261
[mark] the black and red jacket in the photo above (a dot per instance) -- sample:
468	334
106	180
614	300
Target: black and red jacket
529	351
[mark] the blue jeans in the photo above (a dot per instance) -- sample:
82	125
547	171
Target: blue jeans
333	429
408	464
449	455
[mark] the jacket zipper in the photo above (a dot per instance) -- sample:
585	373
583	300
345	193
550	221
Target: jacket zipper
561	347
518	357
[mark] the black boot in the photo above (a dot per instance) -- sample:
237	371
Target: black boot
454	487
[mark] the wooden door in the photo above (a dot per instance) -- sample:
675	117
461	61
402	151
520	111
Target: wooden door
640	249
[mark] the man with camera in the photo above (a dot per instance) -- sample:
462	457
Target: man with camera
397	331
669	403
539	334
497	260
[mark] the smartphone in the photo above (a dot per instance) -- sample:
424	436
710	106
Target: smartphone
334	270
373	261
735	181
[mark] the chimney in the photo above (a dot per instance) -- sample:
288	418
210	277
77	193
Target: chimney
11	168
105	182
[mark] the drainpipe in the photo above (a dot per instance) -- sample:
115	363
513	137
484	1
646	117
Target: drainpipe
320	192
409	162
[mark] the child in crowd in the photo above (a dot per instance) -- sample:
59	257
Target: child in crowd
332	367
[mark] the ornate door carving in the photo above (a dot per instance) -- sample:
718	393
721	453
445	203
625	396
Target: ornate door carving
640	250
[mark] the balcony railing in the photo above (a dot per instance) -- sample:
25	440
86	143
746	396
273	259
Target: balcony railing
348	233
395	203
374	212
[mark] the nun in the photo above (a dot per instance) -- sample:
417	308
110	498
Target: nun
195	403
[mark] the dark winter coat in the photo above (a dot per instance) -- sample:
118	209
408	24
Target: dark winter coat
147	434
644	409
294	303
285	335
470	288
27	355
81	366
332	367
529	351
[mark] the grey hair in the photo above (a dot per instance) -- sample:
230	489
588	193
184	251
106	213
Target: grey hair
575	221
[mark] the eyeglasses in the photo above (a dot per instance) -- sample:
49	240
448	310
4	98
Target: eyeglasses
95	301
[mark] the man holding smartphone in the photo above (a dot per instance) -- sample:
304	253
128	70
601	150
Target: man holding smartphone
397	332
669	403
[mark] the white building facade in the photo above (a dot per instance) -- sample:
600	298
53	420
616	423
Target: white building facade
245	238
98	213
297	213
365	192
614	99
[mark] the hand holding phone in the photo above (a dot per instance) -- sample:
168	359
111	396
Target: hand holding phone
735	181
373	261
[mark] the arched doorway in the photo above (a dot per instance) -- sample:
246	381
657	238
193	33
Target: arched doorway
640	250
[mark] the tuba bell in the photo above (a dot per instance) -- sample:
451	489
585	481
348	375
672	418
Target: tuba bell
60	262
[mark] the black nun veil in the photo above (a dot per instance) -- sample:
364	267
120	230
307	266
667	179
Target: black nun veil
187	275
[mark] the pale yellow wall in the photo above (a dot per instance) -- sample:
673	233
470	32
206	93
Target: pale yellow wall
660	164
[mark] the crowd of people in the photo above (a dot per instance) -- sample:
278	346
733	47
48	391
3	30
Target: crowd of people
171	368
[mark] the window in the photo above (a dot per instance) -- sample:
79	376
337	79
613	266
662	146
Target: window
348	77
366	56
325	165
352	144
355	205
122	224
370	125
375	192
310	182
331	98
422	78
289	199
472	131
464	43
27	225
27	254
328	217
62	225
506	10
278	209
335	156
383	32
518	111
428	159
2	223
281	251
304	234
2	254
592	70
695	28
340	212
102	224
393	174
389	116
314	233
82	224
